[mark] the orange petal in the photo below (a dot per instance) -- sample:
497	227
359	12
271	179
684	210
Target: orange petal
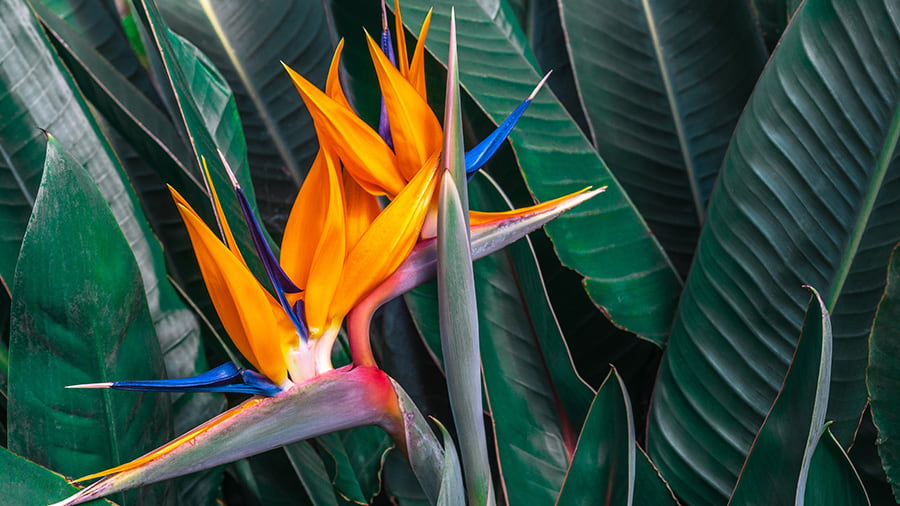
246	309
416	75
306	222
220	214
480	218
328	259
400	50
360	210
388	242
364	153
333	84
414	127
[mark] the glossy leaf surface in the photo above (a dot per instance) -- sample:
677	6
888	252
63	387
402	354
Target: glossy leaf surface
281	140
78	319
780	455
25	482
883	376
625	270
603	466
832	481
663	84
808	194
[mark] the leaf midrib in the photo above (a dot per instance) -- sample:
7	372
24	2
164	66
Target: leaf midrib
862	218
675	110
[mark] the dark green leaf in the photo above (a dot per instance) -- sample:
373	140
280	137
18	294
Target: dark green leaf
81	318
663	84
25	483
832	481
785	443
603	466
650	489
400	482
884	376
206	107
626	271
281	140
773	17
312	473
864	456
808	194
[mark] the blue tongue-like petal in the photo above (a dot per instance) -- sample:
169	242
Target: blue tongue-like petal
225	378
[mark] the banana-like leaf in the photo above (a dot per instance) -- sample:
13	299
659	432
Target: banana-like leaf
626	272
41	95
457	306
603	466
663	83
99	24
205	106
773	17
883	376
864	457
779	457
312	473
831	480
808	194
80	317
650	488
246	41
24	482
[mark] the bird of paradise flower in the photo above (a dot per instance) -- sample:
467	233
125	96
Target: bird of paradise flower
341	252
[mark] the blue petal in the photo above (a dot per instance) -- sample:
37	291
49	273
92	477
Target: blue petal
280	281
480	154
225	378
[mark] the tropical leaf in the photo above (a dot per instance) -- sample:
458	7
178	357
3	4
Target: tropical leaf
311	471
663	84
79	319
626	272
883	376
603	466
452	491
832	481
780	455
26	483
281	140
205	106
808	194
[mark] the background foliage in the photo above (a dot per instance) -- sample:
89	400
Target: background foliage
750	148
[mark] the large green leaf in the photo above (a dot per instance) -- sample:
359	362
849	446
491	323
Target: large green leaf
25	483
625	270
40	95
205	106
80	316
663	84
808	194
780	454
281	140
603	466
884	376
832	481
312	473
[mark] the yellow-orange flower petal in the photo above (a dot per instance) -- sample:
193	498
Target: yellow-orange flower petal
363	152
416	75
333	83
220	214
414	127
400	50
248	313
360	210
328	259
388	242
306	222
480	218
